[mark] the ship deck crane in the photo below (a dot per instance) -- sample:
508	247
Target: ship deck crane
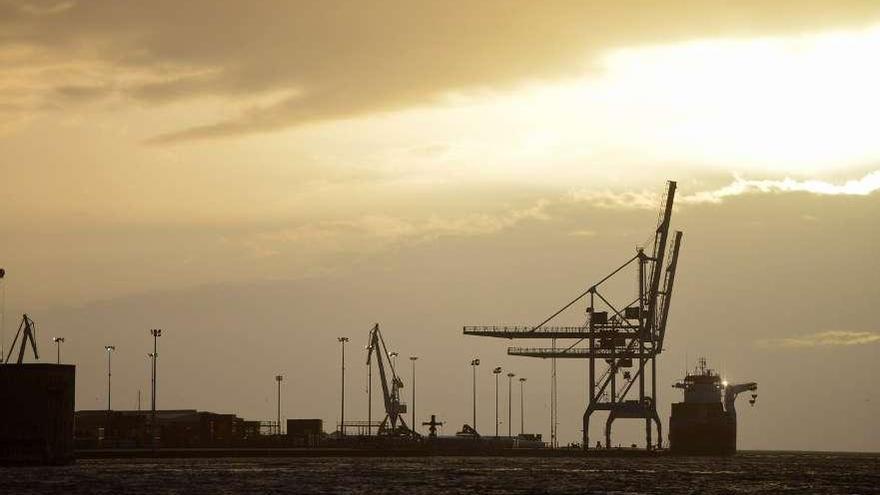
393	424
617	335
732	391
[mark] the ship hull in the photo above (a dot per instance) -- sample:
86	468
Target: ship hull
701	429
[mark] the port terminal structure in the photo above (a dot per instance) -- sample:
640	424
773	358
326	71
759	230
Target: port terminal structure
621	341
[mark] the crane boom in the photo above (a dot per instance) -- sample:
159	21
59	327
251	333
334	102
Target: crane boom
660	239
667	287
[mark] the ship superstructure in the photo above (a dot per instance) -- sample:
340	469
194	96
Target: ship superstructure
705	422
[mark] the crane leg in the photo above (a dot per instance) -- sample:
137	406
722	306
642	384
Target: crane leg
608	422
659	430
586	424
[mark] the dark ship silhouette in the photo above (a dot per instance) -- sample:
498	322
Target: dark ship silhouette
704	423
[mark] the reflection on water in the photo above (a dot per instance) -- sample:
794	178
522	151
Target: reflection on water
745	473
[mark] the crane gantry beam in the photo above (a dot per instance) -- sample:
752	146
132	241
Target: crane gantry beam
525	332
576	353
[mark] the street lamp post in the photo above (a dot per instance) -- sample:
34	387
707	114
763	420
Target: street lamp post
369	349
152	356
58	341
522	407
109	349
278	379
496	371
413	359
342	340
474	363
510	404
156	333
2	314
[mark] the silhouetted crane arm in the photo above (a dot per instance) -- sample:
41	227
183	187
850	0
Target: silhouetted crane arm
657	256
378	346
667	287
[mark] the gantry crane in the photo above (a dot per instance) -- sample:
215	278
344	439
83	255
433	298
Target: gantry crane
618	337
393	424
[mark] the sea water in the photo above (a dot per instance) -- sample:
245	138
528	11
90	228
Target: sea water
747	472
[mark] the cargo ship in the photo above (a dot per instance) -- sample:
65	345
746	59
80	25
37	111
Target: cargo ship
705	422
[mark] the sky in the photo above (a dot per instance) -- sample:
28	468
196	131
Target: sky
260	178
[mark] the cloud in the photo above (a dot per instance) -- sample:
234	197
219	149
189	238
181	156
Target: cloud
854	187
375	232
45	8
650	200
625	200
824	339
357	58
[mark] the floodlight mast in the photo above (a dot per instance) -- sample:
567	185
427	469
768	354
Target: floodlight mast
474	363
2	315
342	341
58	341
109	349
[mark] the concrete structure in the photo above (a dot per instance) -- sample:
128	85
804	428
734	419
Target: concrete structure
36	417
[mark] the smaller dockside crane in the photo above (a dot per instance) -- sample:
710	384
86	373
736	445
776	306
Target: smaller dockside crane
27	329
393	424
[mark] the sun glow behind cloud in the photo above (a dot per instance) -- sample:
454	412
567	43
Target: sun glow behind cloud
800	106
855	187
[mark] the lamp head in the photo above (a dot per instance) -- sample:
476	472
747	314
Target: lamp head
109	348
497	370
